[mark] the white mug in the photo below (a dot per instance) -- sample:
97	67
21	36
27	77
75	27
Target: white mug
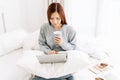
57	34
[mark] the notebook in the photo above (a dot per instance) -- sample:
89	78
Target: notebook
100	68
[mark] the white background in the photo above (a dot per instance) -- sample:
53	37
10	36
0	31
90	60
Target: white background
99	19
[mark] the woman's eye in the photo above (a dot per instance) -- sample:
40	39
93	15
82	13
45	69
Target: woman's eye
54	18
58	18
51	18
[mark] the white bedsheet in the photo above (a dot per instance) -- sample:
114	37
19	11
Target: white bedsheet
8	68
30	63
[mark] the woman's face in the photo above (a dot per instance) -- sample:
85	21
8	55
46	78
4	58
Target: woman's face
55	19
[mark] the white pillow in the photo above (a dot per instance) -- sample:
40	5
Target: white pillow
12	40
77	60
31	41
89	45
1	51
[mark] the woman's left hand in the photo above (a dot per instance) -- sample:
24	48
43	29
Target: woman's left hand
58	40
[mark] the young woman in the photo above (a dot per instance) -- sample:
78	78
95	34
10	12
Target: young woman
64	41
57	22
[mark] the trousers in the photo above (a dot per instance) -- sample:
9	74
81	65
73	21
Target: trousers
66	77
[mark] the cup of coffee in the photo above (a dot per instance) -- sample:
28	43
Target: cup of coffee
57	34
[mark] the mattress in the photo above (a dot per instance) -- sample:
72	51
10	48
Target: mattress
8	68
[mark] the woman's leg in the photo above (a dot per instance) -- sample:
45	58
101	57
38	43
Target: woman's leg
70	78
67	77
38	78
55	79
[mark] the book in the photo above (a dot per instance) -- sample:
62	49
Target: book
100	68
53	58
99	78
108	76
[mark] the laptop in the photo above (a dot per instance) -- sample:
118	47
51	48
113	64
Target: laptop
53	58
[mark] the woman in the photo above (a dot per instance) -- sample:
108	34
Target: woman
57	22
65	41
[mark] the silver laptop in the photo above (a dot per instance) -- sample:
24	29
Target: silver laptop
53	58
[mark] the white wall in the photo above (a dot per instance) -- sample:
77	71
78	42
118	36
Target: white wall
1	24
27	14
30	14
108	28
1	20
35	14
11	12
83	16
108	18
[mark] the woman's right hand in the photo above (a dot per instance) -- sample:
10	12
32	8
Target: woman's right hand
52	52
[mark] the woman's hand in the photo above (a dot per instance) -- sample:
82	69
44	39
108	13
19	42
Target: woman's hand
52	52
58	40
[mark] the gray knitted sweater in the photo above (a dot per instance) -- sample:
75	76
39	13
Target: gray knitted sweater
46	38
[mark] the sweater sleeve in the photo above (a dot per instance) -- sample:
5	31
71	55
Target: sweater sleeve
42	41
71	44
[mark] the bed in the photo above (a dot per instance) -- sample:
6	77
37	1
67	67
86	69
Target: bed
8	68
10	50
13	44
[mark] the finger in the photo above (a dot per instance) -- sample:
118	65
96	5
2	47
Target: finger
54	53
56	41
58	38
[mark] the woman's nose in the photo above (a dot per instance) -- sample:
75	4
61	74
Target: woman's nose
55	21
